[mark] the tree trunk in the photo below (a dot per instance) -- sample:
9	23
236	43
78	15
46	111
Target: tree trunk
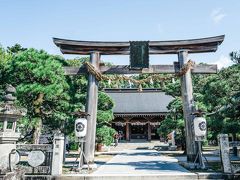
37	132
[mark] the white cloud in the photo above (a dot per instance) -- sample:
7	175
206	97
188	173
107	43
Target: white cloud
223	61
217	15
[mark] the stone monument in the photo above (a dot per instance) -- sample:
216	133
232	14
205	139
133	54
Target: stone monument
9	115
224	153
173	146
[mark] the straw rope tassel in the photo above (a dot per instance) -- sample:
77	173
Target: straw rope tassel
99	76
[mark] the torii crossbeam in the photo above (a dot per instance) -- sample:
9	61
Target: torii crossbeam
179	47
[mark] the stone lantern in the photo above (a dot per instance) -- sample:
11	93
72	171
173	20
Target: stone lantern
9	115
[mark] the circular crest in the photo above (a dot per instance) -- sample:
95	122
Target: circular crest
36	158
202	126
80	127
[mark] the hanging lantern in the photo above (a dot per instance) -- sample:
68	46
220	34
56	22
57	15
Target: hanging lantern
80	127
200	126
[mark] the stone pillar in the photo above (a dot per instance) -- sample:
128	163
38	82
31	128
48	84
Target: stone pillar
5	124
149	131
173	138
64	150
224	153
91	109
188	105
57	158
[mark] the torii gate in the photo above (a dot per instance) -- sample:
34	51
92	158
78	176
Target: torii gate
180	47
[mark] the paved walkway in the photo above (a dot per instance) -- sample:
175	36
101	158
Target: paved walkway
141	162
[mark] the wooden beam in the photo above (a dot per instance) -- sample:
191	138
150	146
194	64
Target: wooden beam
153	69
75	70
209	44
125	51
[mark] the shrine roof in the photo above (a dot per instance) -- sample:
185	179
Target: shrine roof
209	44
131	101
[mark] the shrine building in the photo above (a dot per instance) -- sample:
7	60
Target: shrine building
137	115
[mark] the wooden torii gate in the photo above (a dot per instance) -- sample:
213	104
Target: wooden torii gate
179	47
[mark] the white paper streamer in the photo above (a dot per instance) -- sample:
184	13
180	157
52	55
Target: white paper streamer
151	81
109	82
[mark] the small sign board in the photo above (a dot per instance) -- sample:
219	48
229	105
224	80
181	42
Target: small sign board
139	54
36	158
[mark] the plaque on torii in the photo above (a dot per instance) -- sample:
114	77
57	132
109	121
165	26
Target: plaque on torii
139	64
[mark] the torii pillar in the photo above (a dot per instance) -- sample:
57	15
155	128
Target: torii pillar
91	109
188	107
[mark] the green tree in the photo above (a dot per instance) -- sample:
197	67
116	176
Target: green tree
174	121
15	49
235	56
41	89
222	98
78	94
5	58
104	132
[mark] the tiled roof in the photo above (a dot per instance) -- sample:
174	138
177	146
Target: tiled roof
148	101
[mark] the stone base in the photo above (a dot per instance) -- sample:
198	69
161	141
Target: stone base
90	166
190	165
172	148
9	137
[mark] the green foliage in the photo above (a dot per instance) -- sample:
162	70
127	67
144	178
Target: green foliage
74	146
41	87
105	135
105	102
16	49
173	88
5	58
34	73
222	98
104	117
218	95
174	121
235	56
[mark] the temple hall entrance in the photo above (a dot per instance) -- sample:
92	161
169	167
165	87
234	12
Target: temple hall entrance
138	131
136	117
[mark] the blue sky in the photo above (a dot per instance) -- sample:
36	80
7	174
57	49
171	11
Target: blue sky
33	23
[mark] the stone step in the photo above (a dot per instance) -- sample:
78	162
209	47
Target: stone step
167	176
136	144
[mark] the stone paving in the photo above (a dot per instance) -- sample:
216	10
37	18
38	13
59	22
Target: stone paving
141	162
